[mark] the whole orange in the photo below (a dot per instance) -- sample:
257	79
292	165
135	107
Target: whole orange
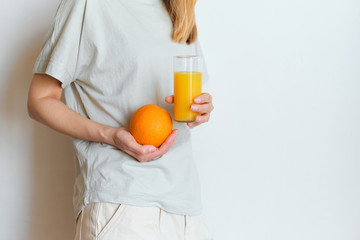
150	125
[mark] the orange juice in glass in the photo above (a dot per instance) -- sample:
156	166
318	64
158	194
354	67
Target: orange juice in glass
187	86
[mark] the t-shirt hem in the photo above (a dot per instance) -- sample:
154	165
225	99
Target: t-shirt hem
106	195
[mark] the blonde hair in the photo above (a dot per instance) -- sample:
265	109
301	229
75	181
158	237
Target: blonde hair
182	15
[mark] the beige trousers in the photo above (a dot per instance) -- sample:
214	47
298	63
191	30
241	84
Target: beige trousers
110	221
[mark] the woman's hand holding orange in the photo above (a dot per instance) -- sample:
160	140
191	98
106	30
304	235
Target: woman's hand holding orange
203	105
122	139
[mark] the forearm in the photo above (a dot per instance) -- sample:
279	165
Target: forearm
45	106
55	114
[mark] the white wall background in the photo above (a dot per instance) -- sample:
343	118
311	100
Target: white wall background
280	158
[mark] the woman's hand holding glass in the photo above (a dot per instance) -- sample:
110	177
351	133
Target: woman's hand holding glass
203	105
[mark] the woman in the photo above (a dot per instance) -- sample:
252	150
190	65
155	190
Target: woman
112	57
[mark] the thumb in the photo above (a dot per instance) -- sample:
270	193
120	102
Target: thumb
169	99
150	148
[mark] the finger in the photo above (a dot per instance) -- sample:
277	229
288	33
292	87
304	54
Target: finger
169	99
202	118
129	144
168	141
193	124
202	108
141	150
164	147
134	149
203	98
145	153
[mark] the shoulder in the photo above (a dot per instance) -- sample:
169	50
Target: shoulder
69	12
67	7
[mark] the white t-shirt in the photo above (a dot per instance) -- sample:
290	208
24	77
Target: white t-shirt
112	57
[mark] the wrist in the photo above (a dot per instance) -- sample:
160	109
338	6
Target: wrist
107	134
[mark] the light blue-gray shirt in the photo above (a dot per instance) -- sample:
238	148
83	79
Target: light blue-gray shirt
113	57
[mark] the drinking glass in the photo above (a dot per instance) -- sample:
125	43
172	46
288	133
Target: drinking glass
187	86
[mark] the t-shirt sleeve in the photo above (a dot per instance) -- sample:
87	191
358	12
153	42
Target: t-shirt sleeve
59	54
199	52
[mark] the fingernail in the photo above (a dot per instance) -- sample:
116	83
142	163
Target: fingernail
198	119
197	100
152	149
194	108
